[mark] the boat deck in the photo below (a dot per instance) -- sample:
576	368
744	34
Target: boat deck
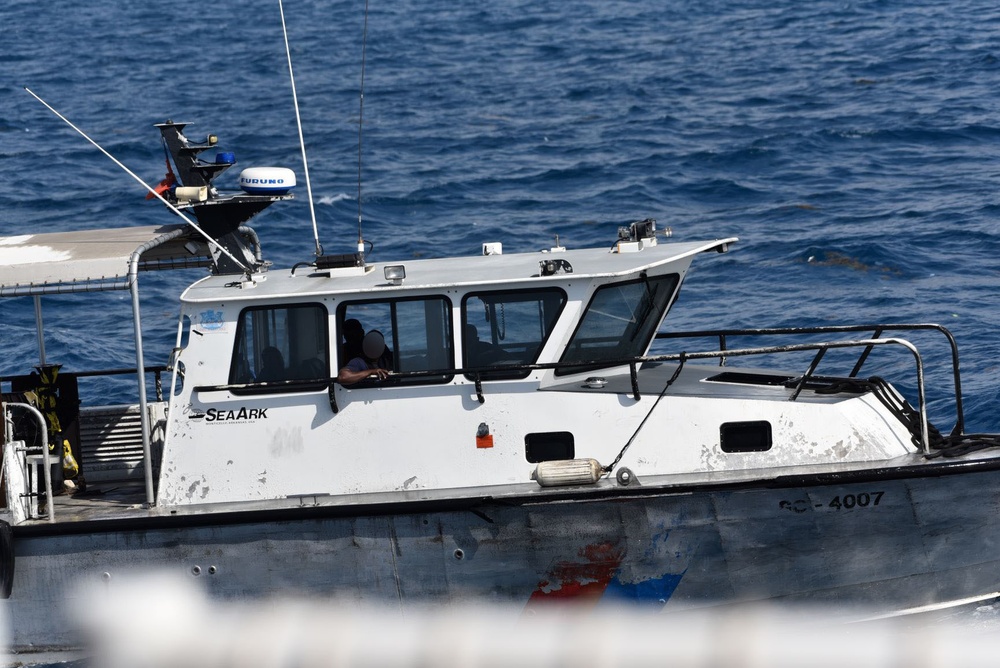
106	500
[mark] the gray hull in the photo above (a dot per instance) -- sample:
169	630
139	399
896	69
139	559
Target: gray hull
893	539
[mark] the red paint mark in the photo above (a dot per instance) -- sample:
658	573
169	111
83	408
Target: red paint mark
582	581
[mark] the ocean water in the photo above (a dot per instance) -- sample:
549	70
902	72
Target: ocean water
852	146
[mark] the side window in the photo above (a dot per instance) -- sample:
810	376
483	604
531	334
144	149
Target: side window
619	322
507	327
282	343
417	333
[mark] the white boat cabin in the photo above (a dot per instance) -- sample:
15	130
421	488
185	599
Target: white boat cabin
242	428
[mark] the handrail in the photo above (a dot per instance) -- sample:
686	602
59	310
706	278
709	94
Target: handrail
878	329
823	347
156	370
316	384
46	461
116	372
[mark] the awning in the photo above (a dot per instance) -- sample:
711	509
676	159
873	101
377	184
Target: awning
93	260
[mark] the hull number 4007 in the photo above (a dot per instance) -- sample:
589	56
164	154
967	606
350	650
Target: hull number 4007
839	502
862	500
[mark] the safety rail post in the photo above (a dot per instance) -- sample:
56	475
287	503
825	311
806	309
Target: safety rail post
864	355
808	374
46	460
479	388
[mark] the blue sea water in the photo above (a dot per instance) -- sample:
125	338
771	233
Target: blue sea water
852	146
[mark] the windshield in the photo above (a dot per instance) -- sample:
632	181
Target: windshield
619	322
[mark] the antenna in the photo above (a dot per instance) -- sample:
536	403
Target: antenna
361	116
197	228
302	142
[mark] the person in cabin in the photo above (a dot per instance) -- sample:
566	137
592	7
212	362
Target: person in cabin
353	333
374	361
272	365
314	367
477	351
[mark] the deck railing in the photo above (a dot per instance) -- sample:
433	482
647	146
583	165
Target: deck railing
157	372
877	330
17	458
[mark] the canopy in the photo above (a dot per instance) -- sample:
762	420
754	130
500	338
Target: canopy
93	260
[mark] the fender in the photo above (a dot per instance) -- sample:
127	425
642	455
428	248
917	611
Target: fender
6	559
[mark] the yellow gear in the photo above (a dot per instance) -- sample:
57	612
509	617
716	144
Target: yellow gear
69	466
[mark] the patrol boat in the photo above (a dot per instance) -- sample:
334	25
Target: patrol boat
527	446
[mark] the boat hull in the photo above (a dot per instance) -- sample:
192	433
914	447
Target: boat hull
885	540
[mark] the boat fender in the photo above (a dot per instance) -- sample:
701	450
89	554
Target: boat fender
564	472
267	180
6	559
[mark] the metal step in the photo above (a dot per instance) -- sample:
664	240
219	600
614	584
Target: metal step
111	441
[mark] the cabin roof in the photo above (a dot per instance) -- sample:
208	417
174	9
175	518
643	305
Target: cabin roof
443	273
98	260
90	260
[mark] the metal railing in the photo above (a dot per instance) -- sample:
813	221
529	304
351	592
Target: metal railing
157	372
46	459
877	331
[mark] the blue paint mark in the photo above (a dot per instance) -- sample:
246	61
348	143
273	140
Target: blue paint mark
655	591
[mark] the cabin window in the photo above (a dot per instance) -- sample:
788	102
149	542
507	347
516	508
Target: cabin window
281	343
417	332
549	446
619	322
745	436
507	328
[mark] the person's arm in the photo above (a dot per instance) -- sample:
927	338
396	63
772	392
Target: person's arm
350	374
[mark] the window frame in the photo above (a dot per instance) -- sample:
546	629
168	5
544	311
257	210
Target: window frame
289	385
643	278
515	374
394	380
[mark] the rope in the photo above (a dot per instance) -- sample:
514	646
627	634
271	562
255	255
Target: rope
611	467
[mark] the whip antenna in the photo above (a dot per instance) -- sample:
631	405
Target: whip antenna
194	225
361	115
302	142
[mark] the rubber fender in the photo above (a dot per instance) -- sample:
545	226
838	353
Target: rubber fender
6	559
